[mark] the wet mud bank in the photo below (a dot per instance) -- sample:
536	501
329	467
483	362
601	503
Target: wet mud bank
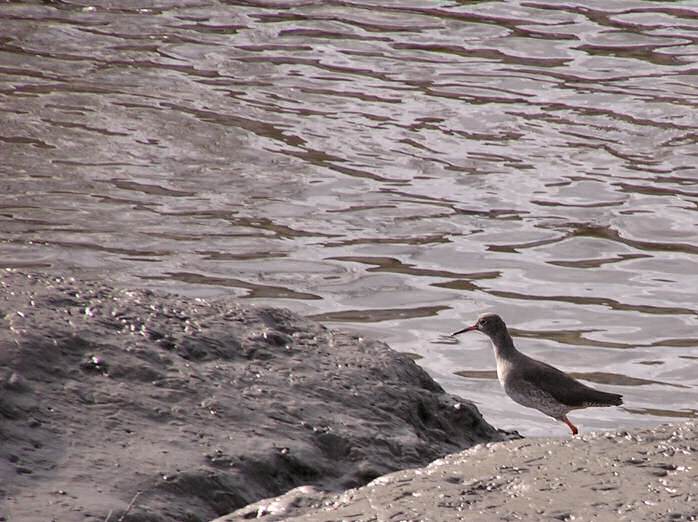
647	474
127	405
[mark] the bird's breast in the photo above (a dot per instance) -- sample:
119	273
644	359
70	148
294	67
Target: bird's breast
503	369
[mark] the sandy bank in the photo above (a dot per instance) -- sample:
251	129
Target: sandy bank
648	474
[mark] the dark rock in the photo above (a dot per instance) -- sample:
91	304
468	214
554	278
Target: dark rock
158	408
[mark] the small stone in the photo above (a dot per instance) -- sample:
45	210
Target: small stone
95	363
17	383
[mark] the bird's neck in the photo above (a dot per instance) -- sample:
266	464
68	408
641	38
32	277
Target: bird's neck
504	346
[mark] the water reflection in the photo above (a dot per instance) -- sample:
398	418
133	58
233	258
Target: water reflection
379	315
658	412
394	168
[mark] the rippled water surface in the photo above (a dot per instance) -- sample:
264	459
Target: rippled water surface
394	168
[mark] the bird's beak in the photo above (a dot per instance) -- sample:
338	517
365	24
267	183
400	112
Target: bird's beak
468	329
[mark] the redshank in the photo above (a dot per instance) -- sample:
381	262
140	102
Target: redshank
533	383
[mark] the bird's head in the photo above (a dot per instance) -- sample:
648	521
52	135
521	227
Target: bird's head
489	324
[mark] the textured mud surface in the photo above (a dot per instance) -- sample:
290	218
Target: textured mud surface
132	406
649	474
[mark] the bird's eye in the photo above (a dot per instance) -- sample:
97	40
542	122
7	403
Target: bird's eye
483	322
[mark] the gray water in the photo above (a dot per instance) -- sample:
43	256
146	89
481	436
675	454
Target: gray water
392	168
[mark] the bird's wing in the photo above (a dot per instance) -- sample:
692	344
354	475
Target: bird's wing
561	386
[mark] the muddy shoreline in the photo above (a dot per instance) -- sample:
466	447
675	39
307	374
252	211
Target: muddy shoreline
129	405
644	474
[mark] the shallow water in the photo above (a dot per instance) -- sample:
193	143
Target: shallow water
395	168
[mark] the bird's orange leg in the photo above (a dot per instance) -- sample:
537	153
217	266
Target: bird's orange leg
571	426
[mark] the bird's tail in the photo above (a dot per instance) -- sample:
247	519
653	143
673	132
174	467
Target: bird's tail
609	399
